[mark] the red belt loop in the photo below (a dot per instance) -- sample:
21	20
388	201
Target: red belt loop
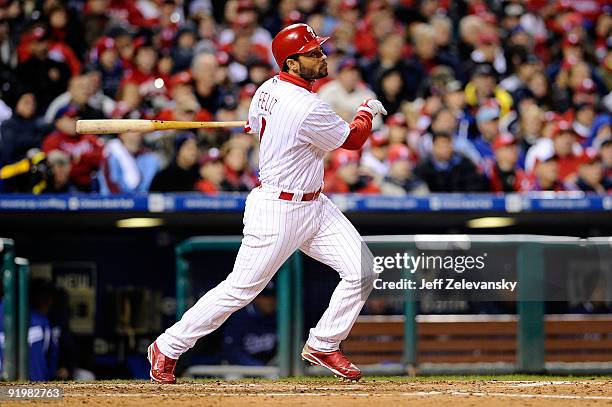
288	196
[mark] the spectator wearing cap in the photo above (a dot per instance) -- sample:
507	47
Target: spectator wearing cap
344	93
84	150
397	127
483	86
591	176
183	172
128	167
212	172
345	176
446	171
47	77
374	159
238	176
143	72
59	179
106	61
23	131
545	177
488	51
487	122
244	100
400	179
426	57
566	150
259	72
504	173
183	50
453	97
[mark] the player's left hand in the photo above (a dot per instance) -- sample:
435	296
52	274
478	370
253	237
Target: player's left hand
372	106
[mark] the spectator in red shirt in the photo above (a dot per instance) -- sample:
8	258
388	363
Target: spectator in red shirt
564	139
545	177
346	177
85	150
238	175
211	171
505	175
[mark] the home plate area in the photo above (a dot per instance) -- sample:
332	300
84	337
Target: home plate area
386	391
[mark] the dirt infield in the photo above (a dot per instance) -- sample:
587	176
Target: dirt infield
326	392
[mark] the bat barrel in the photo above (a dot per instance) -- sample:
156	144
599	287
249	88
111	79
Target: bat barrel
114	126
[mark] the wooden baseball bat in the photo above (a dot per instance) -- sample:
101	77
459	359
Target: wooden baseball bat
113	126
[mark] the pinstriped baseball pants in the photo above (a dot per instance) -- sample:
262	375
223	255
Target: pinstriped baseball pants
273	230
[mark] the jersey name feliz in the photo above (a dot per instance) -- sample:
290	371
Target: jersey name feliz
296	129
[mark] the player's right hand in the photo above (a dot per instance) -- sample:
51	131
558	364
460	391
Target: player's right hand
372	106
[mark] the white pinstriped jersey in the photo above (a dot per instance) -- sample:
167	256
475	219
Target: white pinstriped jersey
296	129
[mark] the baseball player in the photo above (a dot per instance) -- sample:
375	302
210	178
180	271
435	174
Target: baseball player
288	212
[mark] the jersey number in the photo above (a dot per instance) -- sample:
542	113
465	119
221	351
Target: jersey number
263	128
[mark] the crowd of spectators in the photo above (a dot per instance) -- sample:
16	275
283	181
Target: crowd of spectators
498	95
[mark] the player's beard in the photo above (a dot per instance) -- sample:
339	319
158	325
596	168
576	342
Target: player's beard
311	74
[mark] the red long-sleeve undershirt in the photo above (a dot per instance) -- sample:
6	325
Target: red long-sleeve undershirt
361	127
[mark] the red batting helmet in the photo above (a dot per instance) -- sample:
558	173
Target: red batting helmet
294	39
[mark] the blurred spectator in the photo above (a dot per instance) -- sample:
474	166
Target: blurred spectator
427	55
374	158
127	166
545	177
446	171
85	150
47	77
564	147
207	90
487	121
401	180
106	61
182	173
445	121
483	87
250	336
605	150
81	90
504	174
211	172
591	177
43	345
238	175
345	175
59	173
347	91
22	131
525	65
392	90
182	52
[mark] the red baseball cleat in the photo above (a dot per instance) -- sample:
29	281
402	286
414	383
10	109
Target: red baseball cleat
334	361
162	367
